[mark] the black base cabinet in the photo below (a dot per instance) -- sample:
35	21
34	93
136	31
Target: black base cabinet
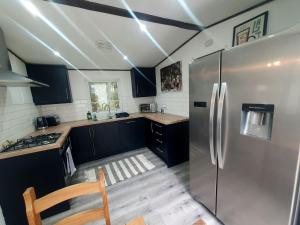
132	134
42	170
169	142
82	145
105	139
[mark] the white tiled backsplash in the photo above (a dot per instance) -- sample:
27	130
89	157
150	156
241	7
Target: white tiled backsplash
68	112
17	110
81	97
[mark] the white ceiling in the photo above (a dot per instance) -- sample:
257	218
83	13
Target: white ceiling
206	11
83	28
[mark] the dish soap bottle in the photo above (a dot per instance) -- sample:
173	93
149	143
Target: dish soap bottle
89	115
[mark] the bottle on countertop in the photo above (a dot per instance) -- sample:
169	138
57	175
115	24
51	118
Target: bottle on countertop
95	117
89	115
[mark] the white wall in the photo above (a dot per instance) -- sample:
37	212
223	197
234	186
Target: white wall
17	110
282	14
81	96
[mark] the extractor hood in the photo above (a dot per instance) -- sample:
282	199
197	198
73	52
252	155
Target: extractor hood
9	78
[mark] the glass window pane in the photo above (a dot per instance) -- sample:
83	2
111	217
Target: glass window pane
104	95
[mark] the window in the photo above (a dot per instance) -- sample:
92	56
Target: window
104	96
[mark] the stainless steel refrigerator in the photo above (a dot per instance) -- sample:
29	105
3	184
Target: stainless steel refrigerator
245	131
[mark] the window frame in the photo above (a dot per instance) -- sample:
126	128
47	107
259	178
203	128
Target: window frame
90	83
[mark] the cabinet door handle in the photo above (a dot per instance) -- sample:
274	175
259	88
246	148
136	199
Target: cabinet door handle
159	141
132	121
158	133
158	125
92	135
137	90
158	149
67	94
151	127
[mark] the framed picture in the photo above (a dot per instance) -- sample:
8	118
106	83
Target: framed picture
171	77
250	30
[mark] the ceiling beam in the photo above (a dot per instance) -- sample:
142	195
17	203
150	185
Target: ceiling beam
94	6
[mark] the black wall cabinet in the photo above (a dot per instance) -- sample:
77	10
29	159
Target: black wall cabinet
56	76
143	82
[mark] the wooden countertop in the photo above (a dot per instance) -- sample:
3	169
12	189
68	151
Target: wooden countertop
65	128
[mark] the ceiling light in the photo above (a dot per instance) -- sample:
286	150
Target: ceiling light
276	63
56	53
31	7
143	27
125	57
269	64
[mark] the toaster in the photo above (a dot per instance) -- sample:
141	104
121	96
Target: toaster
41	123
148	108
53	120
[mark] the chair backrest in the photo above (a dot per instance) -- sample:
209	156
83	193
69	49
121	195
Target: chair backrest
35	206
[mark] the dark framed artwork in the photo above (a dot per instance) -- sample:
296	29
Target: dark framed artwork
171	77
251	29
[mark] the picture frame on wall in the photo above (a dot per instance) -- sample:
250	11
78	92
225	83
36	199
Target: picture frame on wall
251	29
171	77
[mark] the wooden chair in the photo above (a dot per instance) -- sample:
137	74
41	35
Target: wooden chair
199	222
137	221
35	206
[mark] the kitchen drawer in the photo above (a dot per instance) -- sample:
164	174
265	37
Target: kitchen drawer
159	140
160	151
159	134
158	128
169	142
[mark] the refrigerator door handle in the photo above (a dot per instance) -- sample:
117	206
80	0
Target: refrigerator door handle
221	158
214	95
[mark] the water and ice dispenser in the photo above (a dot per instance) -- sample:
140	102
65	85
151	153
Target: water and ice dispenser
257	120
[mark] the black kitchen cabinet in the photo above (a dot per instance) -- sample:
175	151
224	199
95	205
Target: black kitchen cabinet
106	139
143	82
169	142
149	134
56	76
132	134
82	144
42	170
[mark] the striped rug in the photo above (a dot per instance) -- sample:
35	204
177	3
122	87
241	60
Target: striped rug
122	169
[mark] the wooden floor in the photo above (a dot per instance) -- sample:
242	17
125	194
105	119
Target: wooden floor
160	195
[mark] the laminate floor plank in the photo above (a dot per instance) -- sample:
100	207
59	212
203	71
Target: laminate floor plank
160	195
